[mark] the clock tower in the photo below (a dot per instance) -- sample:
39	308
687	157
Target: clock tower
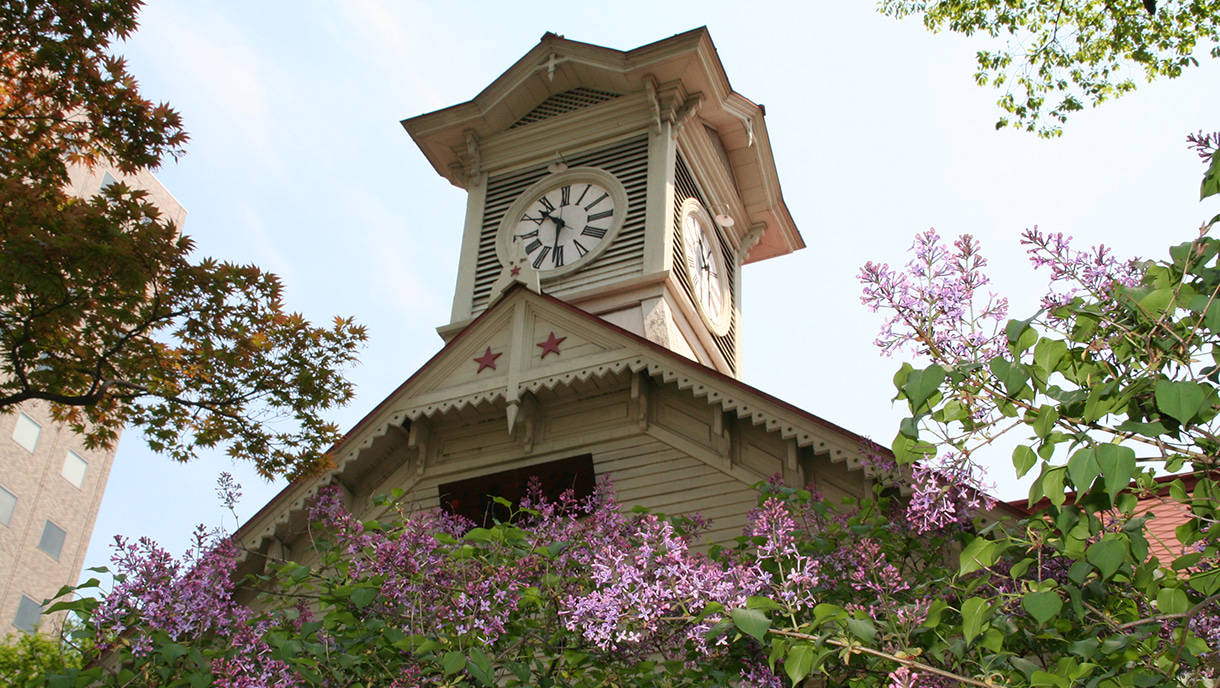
633	185
613	198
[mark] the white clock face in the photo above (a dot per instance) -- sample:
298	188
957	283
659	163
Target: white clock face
563	221
565	224
705	267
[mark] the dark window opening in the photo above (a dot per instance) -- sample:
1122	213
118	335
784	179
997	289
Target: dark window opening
472	498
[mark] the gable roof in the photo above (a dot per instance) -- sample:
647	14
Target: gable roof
514	327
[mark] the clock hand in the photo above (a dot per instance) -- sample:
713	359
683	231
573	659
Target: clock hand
559	225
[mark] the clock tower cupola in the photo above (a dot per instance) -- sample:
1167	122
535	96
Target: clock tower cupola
633	185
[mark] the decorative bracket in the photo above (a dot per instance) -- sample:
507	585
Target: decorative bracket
527	408
417	439
750	240
670	102
640	391
552	61
474	161
650	88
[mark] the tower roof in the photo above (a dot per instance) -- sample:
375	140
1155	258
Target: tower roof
680	76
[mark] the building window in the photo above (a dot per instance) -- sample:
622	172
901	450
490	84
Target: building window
473	498
8	503
74	468
28	612
52	541
26	432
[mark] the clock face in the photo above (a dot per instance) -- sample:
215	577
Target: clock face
563	221
705	266
564	224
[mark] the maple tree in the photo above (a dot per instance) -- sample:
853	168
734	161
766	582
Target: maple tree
1052	58
104	312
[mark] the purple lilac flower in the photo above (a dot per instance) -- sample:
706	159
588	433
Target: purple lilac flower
1204	144
1074	273
229	491
937	307
757	675
947	495
637	590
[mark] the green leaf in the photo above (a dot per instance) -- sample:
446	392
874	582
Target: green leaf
1083	468
1118	465
921	384
1107	554
1210	186
1013	375
980	553
862	628
975	611
764	603
361	597
1023	459
1180	400
1145	429
453	662
1043	606
1045	422
712	607
1172	601
1157	302
479	666
1047	355
752	622
1206	582
798	662
1016	328
1050	485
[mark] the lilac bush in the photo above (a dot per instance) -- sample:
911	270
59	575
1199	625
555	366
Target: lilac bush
898	587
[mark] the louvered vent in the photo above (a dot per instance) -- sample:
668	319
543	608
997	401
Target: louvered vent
562	103
628	161
684	188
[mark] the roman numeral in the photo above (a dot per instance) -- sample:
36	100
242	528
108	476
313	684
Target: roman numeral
582	193
536	220
599	200
533	246
527	235
601	216
557	258
541	257
580	249
565	195
546	203
595	232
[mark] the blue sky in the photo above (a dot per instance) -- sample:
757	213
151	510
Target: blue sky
298	164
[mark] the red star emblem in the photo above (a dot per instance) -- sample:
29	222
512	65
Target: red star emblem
516	270
551	345
487	360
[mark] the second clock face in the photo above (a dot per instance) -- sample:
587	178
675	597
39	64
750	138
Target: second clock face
565	224
705	267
